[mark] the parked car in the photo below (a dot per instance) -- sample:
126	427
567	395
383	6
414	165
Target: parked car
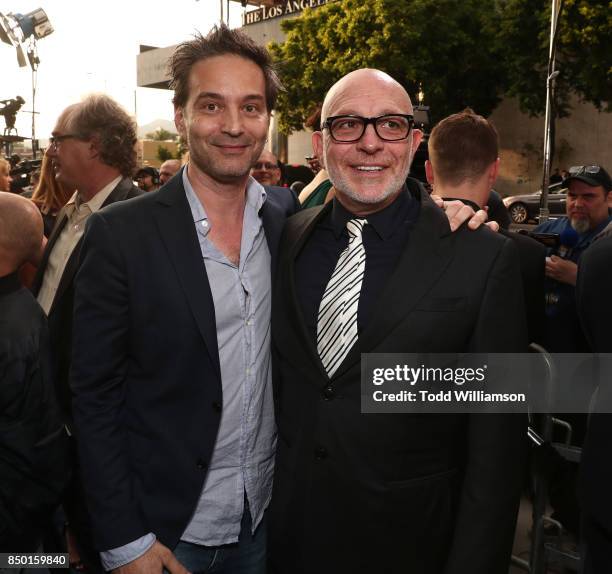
526	207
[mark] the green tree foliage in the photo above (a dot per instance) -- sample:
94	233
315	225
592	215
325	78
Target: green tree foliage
446	45
163	153
584	58
161	135
465	52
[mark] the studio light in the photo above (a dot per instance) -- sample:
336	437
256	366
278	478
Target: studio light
15	29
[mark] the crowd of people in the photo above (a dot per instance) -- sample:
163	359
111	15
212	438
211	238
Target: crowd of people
180	359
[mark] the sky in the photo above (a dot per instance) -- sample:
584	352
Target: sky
93	49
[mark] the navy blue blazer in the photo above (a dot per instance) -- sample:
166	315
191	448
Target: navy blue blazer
145	371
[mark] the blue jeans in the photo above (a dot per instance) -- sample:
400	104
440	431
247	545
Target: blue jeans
247	556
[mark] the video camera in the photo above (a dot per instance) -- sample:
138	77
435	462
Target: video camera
21	172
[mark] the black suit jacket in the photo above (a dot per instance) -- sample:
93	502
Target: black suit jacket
60	313
593	289
386	493
532	258
146	372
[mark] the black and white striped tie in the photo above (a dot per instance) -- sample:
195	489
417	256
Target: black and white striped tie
337	319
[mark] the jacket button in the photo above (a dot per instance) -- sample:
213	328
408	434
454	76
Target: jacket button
329	393
320	453
201	464
217	407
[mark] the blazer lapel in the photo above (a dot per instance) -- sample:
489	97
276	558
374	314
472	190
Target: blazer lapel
296	316
423	260
177	231
119	193
62	218
273	219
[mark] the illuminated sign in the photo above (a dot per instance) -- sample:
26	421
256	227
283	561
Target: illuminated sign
287	8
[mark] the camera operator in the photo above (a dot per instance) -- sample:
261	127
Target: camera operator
587	215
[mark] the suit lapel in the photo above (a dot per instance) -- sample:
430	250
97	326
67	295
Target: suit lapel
421	263
177	231
62	219
119	193
296	317
273	219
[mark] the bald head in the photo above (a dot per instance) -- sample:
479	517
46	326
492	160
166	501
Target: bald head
367	154
168	169
21	232
358	83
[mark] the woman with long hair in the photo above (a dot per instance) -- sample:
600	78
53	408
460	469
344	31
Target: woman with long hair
50	195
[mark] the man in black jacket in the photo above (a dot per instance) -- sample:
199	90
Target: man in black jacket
463	164
592	294
379	270
33	444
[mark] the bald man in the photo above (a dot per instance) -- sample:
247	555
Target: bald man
377	270
33	455
169	168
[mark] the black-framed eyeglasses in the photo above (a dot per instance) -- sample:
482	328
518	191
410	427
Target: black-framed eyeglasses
584	169
55	141
350	128
265	165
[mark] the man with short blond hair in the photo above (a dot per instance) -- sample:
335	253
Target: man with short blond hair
463	164
462	147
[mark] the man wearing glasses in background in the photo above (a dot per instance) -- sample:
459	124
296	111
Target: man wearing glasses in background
92	150
378	270
267	170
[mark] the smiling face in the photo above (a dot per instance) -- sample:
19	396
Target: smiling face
266	169
367	174
225	120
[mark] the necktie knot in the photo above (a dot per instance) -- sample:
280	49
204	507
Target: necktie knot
355	227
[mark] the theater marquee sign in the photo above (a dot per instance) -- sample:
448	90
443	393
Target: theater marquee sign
286	8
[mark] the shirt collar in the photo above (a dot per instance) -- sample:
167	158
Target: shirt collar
469	202
95	203
384	222
9	283
255	197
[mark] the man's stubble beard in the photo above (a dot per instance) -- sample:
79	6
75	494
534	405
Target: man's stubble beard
206	164
342	185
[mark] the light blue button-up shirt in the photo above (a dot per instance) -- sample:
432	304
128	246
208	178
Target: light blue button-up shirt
243	457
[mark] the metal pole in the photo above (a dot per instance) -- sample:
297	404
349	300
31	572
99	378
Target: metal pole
549	117
221	11
34	146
